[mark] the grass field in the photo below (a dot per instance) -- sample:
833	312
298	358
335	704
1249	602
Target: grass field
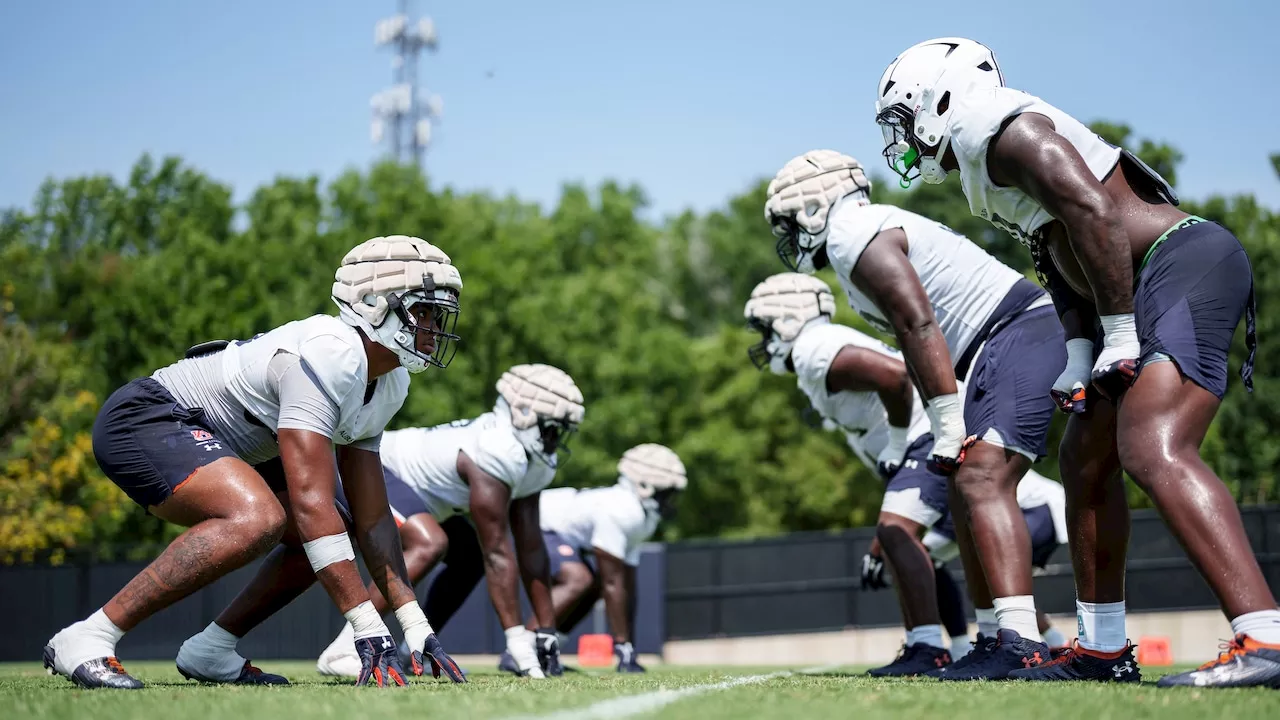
676	692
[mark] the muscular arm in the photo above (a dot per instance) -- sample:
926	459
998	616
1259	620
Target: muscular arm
489	506
375	529
617	581
535	568
884	274
1029	154
309	468
859	369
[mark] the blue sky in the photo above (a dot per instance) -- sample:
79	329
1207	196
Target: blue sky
693	100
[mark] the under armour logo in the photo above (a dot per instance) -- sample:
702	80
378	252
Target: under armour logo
386	643
210	447
1119	670
1033	660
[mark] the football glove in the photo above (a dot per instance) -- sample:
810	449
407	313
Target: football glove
626	655
379	663
873	573
946	417
1069	389
1117	365
548	644
441	664
890	458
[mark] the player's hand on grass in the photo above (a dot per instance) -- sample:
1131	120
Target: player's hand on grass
379	663
548	645
626	655
433	654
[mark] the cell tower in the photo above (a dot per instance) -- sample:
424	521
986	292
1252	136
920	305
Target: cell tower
402	113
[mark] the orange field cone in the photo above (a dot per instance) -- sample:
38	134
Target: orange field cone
595	650
1154	651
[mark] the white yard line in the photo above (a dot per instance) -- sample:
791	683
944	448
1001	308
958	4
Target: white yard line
629	705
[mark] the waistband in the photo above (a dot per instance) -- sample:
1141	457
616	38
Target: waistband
1151	251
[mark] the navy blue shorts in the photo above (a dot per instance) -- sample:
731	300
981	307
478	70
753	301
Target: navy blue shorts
915	473
1044	537
1189	298
561	551
1008	388
149	445
404	502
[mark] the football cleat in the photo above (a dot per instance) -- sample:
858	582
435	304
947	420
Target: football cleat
379	663
913	660
507	663
1011	651
106	672
983	646
1243	662
626	654
249	675
1078	663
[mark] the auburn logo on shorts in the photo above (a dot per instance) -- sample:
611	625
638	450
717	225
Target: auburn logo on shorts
201	435
565	550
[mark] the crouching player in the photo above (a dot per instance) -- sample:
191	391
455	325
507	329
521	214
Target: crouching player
186	444
606	527
493	467
861	385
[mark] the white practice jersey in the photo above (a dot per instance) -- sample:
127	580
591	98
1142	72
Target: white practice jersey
612	519
426	459
239	388
977	118
963	283
1035	490
860	415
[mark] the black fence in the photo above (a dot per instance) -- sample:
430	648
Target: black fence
37	601
809	582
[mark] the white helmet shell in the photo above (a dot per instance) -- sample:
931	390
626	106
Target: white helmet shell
915	98
800	199
651	468
381	278
780	308
535	395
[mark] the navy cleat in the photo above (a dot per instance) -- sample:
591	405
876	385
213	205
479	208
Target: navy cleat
1243	662
106	672
983	646
917	659
1078	663
441	664
249	675
1011	651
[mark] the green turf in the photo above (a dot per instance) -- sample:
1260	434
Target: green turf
27	692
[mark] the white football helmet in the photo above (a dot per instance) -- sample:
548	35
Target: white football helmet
800	199
779	309
916	95
544	406
379	283
654	472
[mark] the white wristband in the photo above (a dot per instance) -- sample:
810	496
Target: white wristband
366	622
898	437
1119	329
327	550
414	624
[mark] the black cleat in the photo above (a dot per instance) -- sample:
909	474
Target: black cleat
1244	662
249	675
1011	651
917	659
1077	663
106	672
983	646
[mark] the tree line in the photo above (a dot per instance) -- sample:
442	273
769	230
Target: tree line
104	280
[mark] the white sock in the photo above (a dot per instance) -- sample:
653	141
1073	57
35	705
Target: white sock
1054	638
366	622
986	621
101	626
928	634
1018	613
960	647
1101	626
414	624
212	654
1263	626
92	638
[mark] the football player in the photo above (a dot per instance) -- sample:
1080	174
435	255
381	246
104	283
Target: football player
860	386
1149	296
593	537
957	314
186	442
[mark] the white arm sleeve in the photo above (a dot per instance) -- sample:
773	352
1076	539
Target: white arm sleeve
303	404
